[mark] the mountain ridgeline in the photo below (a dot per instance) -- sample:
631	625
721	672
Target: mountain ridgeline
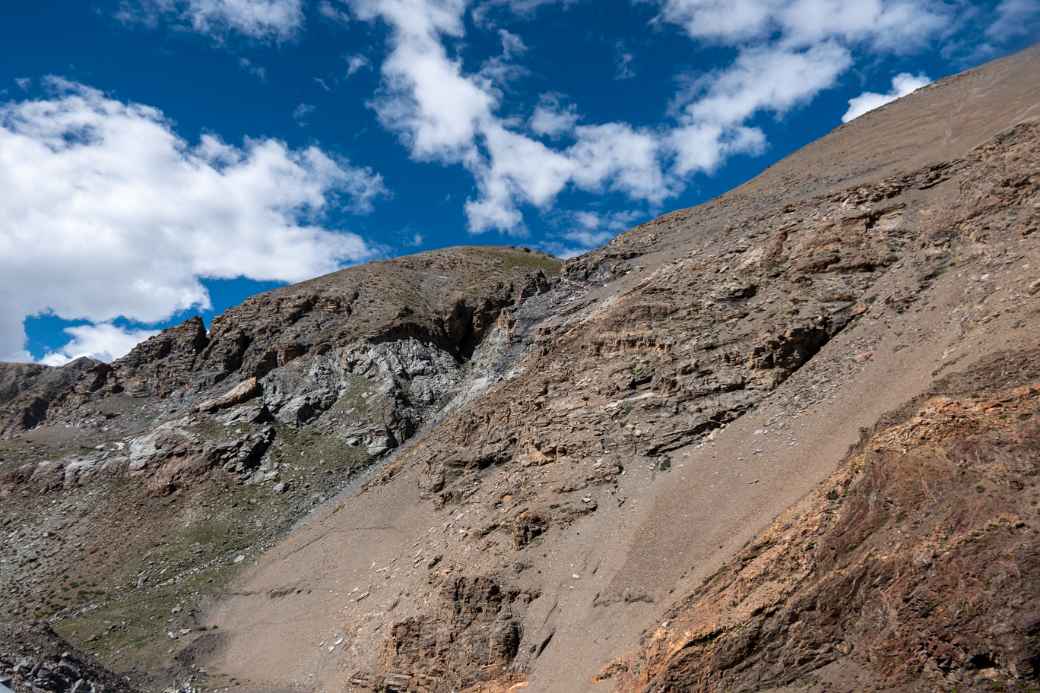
788	439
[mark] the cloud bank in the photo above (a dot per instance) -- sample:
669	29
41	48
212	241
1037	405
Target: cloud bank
442	113
106	212
105	342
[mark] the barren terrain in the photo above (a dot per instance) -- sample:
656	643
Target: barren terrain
783	440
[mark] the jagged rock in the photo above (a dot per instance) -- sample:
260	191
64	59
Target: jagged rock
245	390
884	566
34	658
470	640
161	364
173	454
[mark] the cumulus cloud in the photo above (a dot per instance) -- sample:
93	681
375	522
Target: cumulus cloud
105	212
259	19
886	24
443	114
702	147
771	78
902	84
104	342
552	118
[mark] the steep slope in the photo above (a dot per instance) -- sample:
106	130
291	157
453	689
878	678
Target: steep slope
660	406
130	492
916	564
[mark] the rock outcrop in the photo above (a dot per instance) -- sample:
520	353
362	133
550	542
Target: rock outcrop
830	293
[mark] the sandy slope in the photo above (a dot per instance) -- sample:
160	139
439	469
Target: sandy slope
314	611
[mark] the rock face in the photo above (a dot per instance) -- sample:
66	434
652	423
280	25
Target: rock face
573	476
470	642
916	564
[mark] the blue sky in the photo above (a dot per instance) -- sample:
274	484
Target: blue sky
165	158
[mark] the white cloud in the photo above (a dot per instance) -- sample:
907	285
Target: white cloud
551	118
1014	18
703	147
523	8
501	69
259	19
772	78
887	24
445	115
106	212
258	71
788	52
512	45
620	158
327	9
23	83
902	84
355	63
103	342
426	99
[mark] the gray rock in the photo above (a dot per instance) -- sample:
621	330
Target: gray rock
245	390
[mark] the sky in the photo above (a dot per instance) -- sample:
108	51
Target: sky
161	159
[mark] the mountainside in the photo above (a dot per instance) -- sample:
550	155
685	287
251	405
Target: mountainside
130	491
787	438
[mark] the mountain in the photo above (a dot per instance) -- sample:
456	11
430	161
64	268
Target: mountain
783	440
